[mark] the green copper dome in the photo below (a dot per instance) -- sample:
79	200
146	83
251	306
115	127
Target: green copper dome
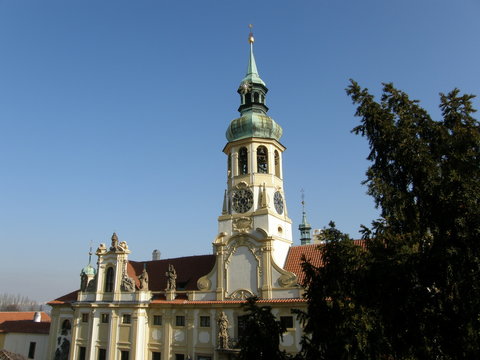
89	270
253	124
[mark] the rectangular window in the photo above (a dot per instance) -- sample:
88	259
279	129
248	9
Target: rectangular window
124	355
203	357
102	354
287	321
156	355
179	357
84	317
180	321
126	319
241	324
31	350
157	319
204	321
105	318
82	353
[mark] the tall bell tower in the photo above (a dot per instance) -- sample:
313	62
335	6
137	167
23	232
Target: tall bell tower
254	201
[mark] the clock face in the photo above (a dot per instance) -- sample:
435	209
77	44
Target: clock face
278	201
242	200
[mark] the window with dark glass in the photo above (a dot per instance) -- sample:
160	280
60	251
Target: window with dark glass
31	350
242	161
102	354
156	355
84	317
109	278
124	355
287	321
229	164
277	163
256	97
180	320
262	160
241	325
157	319
204	321
105	318
126	319
179	357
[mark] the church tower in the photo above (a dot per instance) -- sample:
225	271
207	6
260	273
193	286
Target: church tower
254	201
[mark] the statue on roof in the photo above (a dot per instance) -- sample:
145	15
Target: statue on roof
143	278
171	275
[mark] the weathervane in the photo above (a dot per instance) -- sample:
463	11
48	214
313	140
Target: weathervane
251	39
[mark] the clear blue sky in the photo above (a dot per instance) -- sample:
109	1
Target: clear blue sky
113	115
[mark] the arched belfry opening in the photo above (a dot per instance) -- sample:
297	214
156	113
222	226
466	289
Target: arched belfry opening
243	161
262	160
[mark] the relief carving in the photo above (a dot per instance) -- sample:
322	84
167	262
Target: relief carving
204	283
243	224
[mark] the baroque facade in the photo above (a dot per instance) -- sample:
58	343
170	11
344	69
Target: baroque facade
190	307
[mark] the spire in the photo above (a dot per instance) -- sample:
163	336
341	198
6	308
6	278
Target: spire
304	227
225	203
252	76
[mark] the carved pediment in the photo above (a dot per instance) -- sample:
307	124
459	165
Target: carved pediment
240	294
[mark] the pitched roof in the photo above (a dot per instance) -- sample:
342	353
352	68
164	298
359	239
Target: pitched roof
22	315
22	322
313	254
189	269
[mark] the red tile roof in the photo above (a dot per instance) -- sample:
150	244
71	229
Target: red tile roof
313	254
22	315
22	322
214	302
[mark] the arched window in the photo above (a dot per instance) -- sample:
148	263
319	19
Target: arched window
256	97
243	161
262	160
277	164
262	98
248	98
66	326
109	279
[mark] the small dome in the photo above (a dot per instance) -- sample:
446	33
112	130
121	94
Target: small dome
252	124
88	270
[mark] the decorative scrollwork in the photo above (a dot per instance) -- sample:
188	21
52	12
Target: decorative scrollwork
287	279
204	283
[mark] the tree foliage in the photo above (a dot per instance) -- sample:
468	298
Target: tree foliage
262	333
413	292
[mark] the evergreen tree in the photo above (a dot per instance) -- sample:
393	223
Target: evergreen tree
262	333
414	291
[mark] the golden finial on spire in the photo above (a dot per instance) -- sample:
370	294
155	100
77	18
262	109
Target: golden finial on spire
251	39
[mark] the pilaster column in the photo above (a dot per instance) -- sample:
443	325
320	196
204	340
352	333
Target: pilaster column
167	334
139	331
92	339
220	252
